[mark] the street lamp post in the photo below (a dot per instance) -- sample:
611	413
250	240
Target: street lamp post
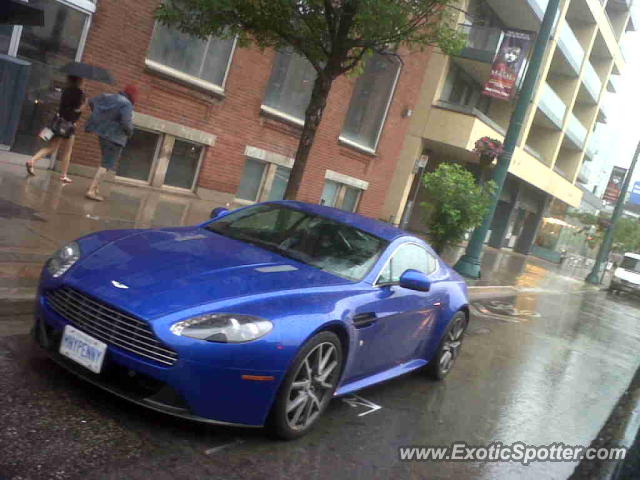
596	275
469	264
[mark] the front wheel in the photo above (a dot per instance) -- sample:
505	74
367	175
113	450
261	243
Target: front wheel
444	359
307	387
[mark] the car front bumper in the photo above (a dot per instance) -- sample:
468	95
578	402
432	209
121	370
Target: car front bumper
625	286
191	390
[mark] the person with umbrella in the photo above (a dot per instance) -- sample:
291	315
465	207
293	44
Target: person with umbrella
112	121
60	134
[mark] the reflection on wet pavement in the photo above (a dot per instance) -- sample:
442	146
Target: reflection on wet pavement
552	377
39	214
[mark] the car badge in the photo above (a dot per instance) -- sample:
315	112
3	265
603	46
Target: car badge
119	285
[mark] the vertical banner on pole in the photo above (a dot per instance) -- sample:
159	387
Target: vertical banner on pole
612	193
513	52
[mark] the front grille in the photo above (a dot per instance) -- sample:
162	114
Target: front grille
109	325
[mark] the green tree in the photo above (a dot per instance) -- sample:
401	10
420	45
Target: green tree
627	235
456	203
335	36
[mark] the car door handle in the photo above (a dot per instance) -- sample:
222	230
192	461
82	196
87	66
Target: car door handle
364	319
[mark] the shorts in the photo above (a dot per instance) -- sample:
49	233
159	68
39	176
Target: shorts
110	153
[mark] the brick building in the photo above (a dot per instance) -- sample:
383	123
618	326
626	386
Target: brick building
220	120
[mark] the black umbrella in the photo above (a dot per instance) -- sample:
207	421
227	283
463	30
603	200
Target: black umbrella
16	12
90	72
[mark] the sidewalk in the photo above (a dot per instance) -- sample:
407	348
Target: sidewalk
39	214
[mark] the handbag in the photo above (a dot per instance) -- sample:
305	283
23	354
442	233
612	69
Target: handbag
46	134
61	127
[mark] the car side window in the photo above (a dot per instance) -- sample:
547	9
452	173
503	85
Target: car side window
406	257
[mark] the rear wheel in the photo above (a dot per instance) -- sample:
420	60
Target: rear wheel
444	359
308	387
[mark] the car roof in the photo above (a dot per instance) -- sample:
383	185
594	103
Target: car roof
635	256
369	225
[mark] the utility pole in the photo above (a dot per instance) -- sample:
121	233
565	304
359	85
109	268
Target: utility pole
469	264
595	277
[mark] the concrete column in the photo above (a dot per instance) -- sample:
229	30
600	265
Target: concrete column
503	219
530	230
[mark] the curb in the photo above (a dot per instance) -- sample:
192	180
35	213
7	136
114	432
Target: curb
620	430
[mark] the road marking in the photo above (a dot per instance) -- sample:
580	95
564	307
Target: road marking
357	401
224	446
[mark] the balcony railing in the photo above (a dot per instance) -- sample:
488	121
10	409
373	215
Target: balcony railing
576	131
591	149
592	82
571	48
552	105
569	44
482	42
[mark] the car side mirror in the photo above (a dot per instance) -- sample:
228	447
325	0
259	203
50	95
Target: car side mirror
219	212
415	280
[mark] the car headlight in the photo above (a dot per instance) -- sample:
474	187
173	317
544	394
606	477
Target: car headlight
223	328
63	259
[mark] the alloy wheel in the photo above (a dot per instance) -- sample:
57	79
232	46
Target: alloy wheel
452	344
312	386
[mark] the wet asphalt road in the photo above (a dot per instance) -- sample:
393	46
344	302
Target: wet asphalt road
538	368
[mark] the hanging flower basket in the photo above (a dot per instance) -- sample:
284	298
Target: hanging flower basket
488	149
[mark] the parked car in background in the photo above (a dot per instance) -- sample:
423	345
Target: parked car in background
257	317
626	278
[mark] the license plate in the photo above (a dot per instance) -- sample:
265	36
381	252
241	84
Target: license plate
82	348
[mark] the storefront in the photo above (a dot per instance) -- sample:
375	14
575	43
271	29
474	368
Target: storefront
60	41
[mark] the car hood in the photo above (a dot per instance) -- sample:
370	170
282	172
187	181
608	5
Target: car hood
157	272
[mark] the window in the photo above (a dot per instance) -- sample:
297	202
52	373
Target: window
370	101
331	246
160	159
5	38
138	156
190	58
290	85
340	196
407	257
461	89
183	164
263	181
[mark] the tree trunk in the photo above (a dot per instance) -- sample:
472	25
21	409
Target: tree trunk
313	117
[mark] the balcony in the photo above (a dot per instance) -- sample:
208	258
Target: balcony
482	42
571	48
591	149
569	44
552	106
592	82
576	132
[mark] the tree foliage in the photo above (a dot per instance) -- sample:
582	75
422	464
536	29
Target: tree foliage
627	235
335	36
456	203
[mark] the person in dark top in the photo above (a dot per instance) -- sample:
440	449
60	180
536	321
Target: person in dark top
63	127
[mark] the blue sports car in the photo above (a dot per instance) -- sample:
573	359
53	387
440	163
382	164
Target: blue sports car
257	317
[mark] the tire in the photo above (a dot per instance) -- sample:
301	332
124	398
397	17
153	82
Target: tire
445	357
302	398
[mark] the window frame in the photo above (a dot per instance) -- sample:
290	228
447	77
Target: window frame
268	174
275	112
187	78
194	183
156	178
374	149
393	254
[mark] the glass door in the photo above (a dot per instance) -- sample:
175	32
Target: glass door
47	48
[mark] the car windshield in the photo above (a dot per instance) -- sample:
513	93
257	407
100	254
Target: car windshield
331	246
631	264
